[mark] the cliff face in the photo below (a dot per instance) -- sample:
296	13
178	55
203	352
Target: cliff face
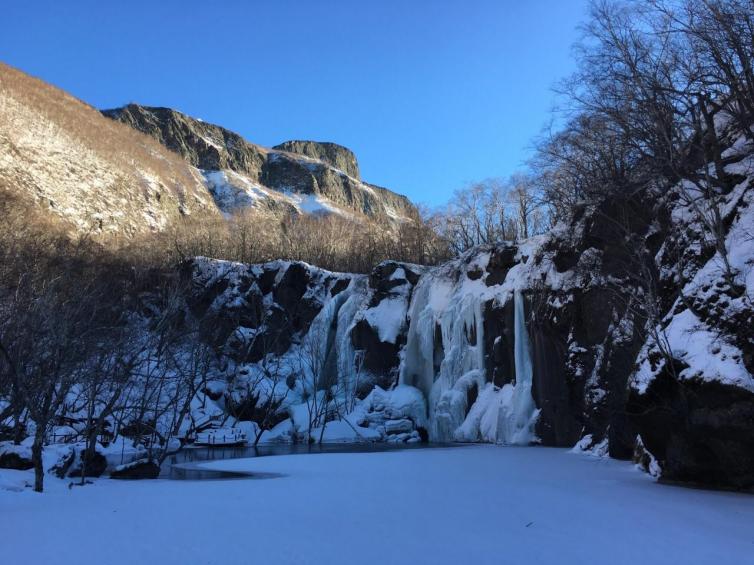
61	156
205	146
545	341
331	153
308	176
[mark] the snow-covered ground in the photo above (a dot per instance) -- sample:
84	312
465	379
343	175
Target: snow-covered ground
471	505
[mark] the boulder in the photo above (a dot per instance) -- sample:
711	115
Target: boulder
15	457
398	426
139	469
94	468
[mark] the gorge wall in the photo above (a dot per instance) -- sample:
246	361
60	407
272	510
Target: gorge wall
543	341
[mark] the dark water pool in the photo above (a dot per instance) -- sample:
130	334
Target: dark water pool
184	465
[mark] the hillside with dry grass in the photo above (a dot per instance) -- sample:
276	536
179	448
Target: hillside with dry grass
61	156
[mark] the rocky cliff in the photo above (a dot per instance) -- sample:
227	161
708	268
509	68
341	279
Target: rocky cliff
331	153
627	331
308	176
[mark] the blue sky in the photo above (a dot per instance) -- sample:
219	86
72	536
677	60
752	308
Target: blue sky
430	95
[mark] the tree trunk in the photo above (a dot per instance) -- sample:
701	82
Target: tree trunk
19	430
36	458
89	452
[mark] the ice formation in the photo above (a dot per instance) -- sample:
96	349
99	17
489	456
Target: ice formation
445	359
518	413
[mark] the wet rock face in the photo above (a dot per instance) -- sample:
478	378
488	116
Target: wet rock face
379	358
557	391
578	385
700	432
500	366
331	153
290	292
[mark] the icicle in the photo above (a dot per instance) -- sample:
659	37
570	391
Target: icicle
346	355
518	413
330	334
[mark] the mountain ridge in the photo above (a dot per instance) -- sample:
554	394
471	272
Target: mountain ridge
327	171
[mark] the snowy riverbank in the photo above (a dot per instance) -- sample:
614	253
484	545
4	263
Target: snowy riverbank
480	504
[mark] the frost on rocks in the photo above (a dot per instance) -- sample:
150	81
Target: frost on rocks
587	446
388	317
703	326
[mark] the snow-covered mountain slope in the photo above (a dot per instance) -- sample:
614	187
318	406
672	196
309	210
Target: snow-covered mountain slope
106	177
61	155
305	176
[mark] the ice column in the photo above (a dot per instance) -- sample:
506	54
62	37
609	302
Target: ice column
518	413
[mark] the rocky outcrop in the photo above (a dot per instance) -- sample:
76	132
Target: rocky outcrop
312	177
380	332
699	432
333	154
137	169
139	469
15	457
249	311
204	145
94	467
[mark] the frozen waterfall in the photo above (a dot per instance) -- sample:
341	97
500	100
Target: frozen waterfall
444	357
329	338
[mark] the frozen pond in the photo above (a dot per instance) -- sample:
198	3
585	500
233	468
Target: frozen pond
470	505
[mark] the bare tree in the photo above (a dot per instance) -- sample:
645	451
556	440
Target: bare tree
315	388
43	347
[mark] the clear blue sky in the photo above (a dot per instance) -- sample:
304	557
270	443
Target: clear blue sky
430	95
